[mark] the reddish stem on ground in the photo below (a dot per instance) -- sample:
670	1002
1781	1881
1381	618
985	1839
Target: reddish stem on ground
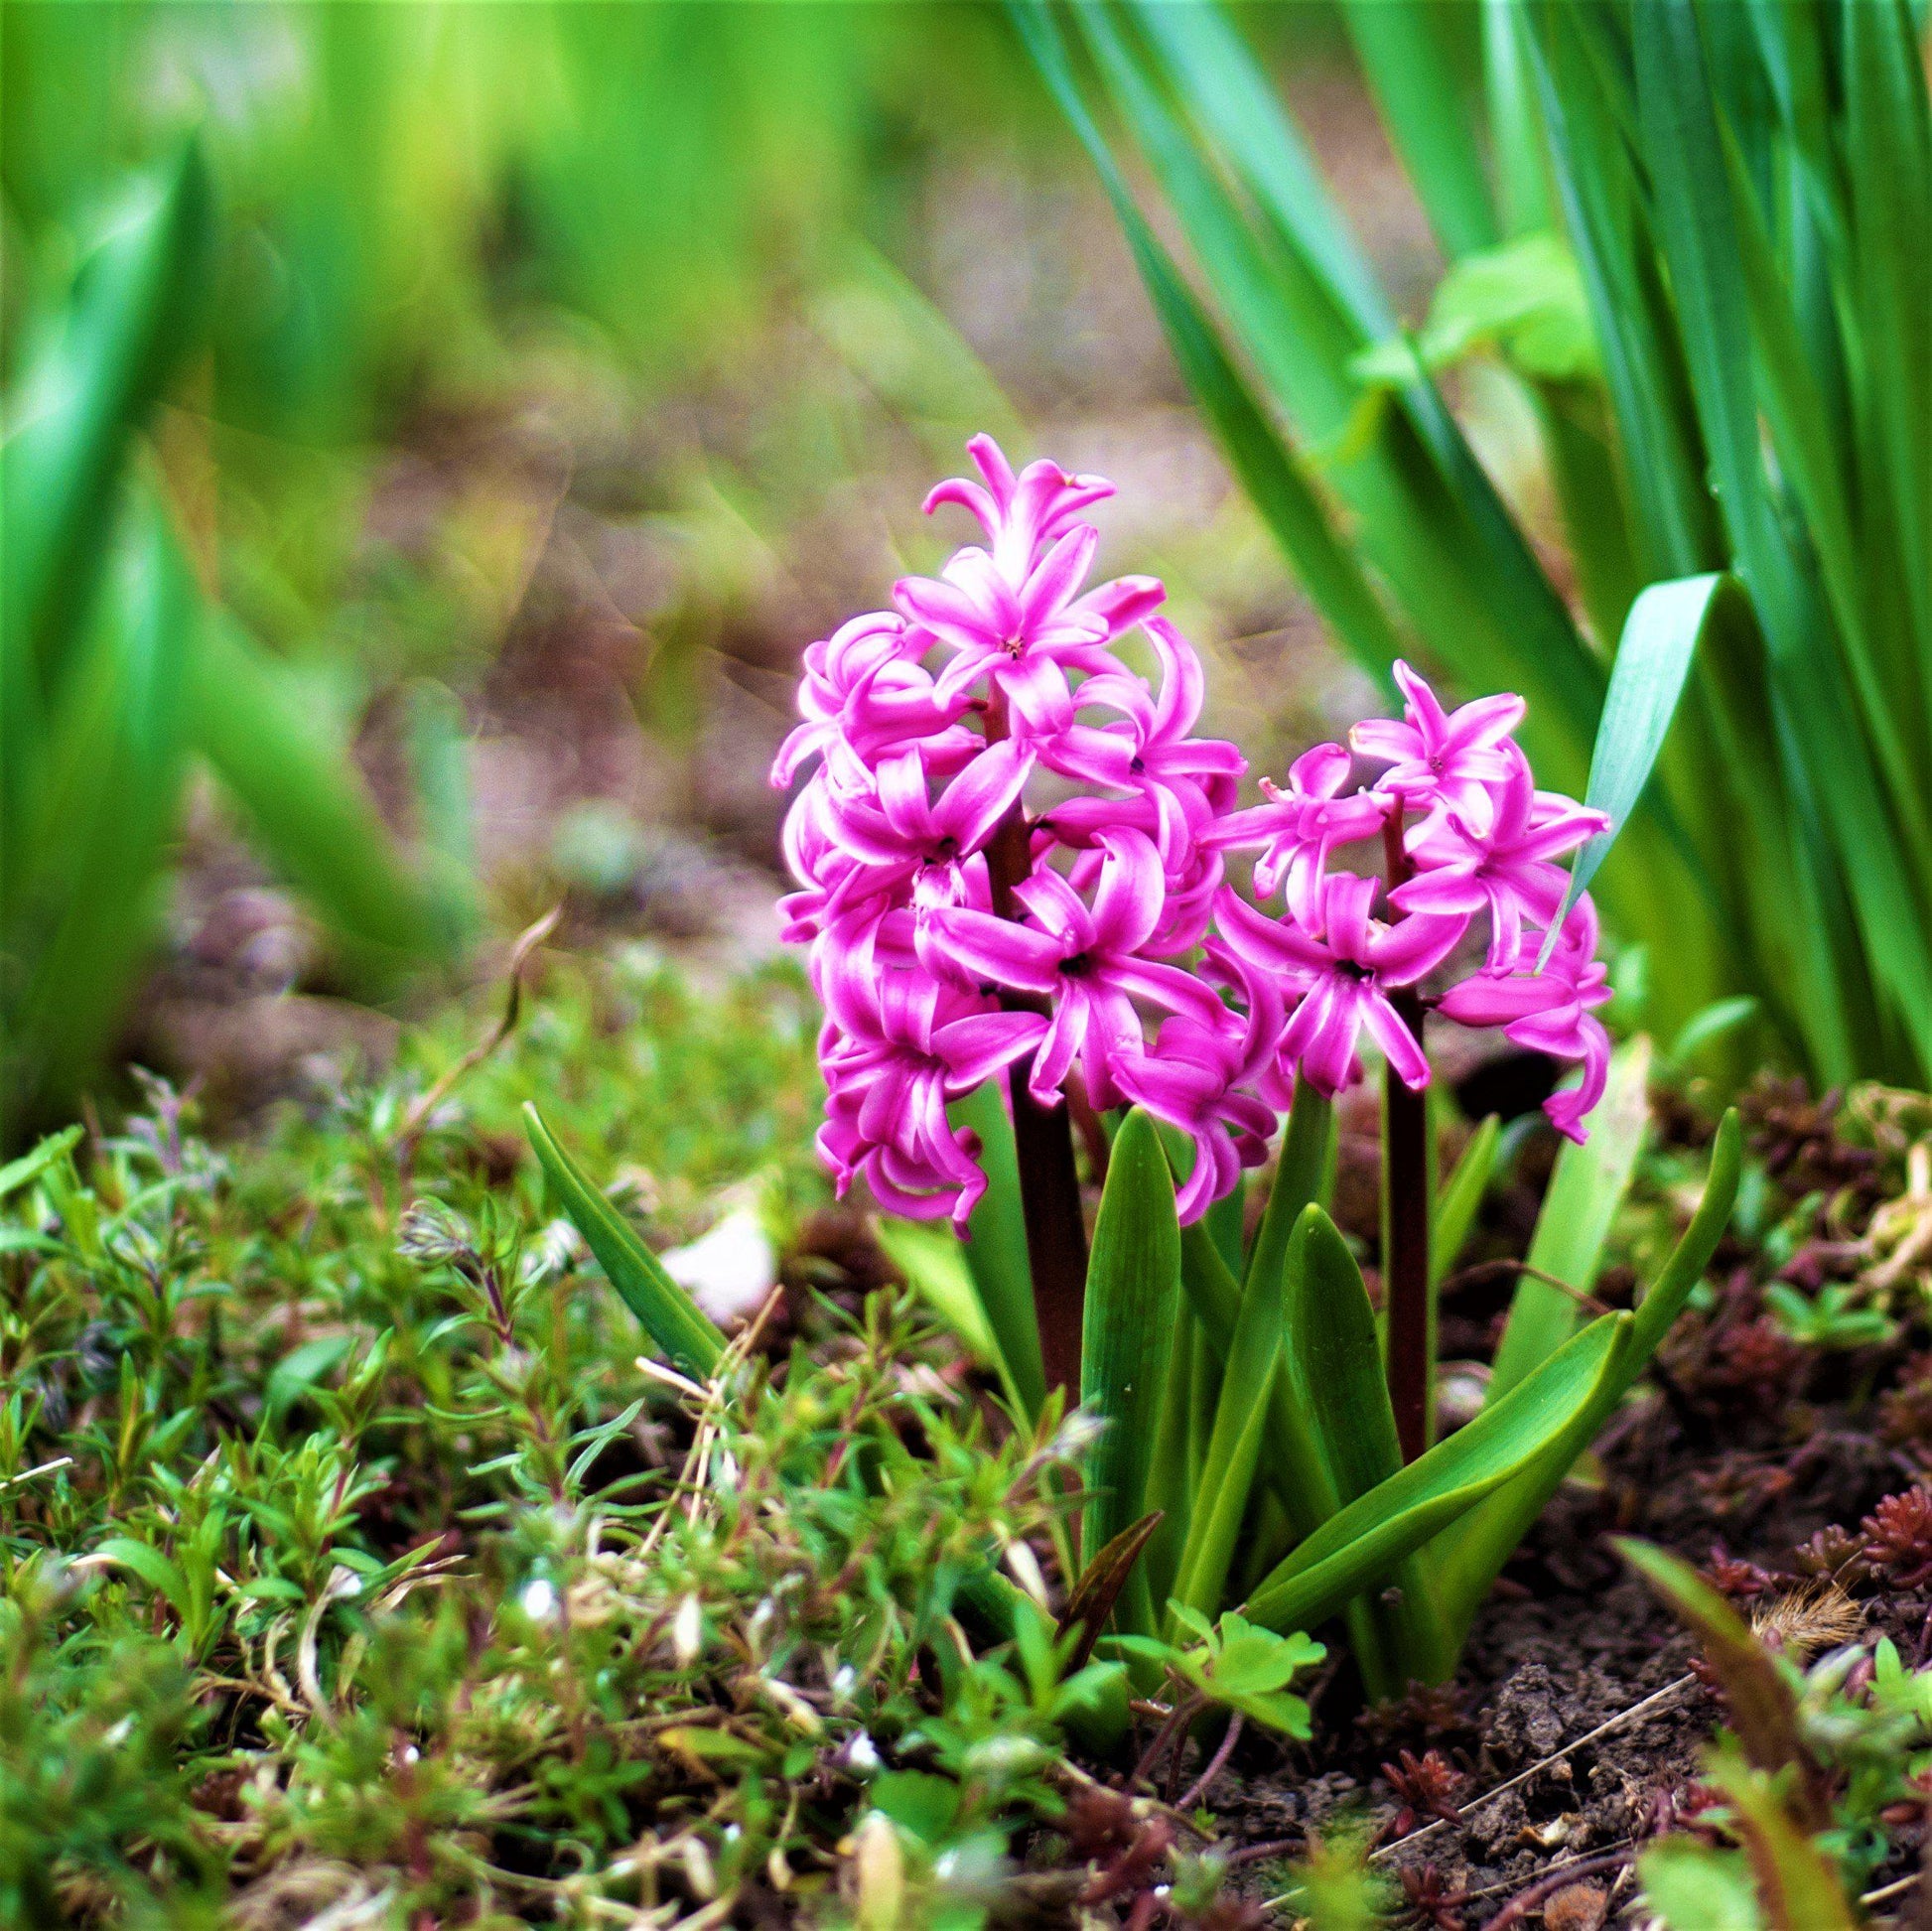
1405	1176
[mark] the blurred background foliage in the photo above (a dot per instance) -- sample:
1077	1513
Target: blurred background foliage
438	428
471	411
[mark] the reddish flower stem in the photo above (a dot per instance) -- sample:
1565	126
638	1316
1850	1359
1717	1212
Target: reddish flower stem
1405	1179
1049	1183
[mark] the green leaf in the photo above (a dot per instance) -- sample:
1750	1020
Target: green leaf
1524	298
932	1259
1459	1199
30	1165
995	1244
136	308
1586	1190
1471	1557
1234	1447
1697	1886
159	1572
1334	1359
1133	1297
1411	69
1301	1173
1356	1548
1334	1364
1653	658
1798	1887
1707	1025
673	1320
306	803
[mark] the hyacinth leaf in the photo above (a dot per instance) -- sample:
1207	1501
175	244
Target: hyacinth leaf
1234	1445
934	1265
311	814
85	388
1294	1463
1653	659
1361	1545
1469	1559
1127	1340
675	1322
1459	1198
1586	1190
1334	1359
1411	73
1334	1364
1276	481
82	906
996	1245
1302	1177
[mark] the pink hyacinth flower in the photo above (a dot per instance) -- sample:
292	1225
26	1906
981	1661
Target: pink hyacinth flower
891	1063
1549	1011
1300	827
1087	962
1343	977
1020	515
1506	870
904	837
1437	758
1191	1077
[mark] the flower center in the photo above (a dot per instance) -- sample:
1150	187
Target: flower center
1075	964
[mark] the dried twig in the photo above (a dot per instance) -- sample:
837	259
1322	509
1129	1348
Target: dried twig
418	1116
1654	1700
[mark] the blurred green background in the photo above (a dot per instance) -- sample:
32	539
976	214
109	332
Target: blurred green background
434	431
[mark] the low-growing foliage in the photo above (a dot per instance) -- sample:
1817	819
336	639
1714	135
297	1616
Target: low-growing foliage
349	1561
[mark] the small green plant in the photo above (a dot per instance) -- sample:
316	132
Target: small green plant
1822	1760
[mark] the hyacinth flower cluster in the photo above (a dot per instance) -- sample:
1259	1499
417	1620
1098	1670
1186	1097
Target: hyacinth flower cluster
1014	855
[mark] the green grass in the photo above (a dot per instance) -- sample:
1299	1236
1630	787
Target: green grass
348	1559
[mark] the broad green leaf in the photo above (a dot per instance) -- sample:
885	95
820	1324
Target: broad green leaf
1411	66
1459	1199
1301	1176
1468	1560
1693	1885
23	1172
1524	298
1334	1364
86	852
933	1261
1248	1385
996	1243
1127	1339
1707	1025
1334	1360
1358	1546
306	803
86	389
1653	658
673	1320
1586	1190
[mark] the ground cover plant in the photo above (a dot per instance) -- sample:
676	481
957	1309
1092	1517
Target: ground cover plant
351	1563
